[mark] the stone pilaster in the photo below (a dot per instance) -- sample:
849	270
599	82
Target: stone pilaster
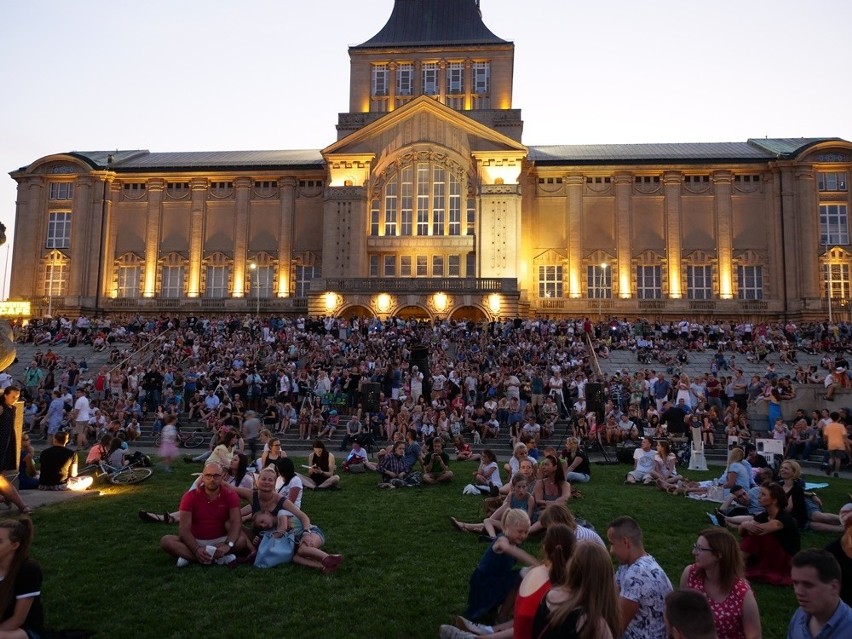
391	89
344	248
672	185
287	189
100	275
807	216
468	84
442	81
623	198
28	247
574	214
792	242
499	244
81	223
242	188
152	235
196	235
722	183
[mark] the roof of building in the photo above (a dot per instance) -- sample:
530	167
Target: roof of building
754	150
422	23
132	161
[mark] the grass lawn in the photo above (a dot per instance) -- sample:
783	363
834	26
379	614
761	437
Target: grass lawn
405	570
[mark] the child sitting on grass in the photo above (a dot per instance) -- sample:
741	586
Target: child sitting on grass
494	582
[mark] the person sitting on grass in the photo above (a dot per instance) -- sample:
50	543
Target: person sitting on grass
643	458
357	461
487	477
665	467
59	467
20	590
771	539
393	468
320	469
99	451
518	497
551	486
463	450
494	582
436	465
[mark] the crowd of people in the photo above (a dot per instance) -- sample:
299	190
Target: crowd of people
442	386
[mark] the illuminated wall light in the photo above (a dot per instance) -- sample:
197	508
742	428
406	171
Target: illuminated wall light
331	301
494	303
624	285
726	285
283	286
383	303
440	302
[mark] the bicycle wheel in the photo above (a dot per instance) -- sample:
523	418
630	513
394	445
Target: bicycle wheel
158	440
194	440
133	476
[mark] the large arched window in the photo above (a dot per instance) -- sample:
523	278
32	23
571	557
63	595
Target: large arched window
421	198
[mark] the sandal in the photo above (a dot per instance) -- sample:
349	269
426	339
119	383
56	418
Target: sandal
331	563
149	518
168	519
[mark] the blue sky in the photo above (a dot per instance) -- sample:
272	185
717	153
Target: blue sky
193	75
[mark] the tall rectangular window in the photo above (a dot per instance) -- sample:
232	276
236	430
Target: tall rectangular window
407	204
172	282
55	280
422	266
430	78
405	266
437	266
61	190
439	187
455	77
455	208
750	282
481	77
549	281
833	224
470	264
375	213
128	282
261	282
832	181
380	79
598	282
390	266
304	275
216	285
405	79
836	281
59	230
649	282
422	199
699	282
454	266
390	208
471	216
374	266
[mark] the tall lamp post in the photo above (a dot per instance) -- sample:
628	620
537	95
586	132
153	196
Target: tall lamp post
601	290
256	284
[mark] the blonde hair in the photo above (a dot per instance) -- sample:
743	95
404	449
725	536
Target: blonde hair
515	517
736	455
795	467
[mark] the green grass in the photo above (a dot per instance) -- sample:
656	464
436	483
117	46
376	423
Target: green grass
405	571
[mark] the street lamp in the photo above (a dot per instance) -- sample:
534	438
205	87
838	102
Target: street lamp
601	289
256	285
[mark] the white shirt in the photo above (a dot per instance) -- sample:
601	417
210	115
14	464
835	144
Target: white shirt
82	408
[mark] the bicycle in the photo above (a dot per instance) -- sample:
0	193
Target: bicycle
192	439
131	474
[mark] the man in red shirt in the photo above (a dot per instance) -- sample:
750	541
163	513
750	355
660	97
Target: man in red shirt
210	522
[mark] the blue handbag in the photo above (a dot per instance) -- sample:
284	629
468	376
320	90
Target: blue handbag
274	551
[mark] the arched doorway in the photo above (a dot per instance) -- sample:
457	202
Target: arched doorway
356	310
469	314
413	312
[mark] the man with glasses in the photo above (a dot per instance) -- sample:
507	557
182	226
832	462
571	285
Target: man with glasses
210	523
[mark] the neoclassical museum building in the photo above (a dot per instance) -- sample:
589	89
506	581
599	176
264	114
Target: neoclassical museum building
429	205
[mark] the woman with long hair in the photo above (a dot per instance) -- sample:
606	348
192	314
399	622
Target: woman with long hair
20	588
718	574
585	608
321	467
771	539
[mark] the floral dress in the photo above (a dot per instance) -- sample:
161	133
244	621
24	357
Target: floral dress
727	614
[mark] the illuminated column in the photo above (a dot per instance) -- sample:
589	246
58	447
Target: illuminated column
574	214
287	189
722	181
391	87
30	226
344	246
672	184
196	235
108	234
152	235
242	187
81	213
807	215
468	84
623	197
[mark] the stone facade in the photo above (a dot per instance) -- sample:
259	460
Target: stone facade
428	204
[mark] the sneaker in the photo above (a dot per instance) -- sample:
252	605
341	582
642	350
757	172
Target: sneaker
386	485
451	632
182	563
472	626
721	518
224	560
648	480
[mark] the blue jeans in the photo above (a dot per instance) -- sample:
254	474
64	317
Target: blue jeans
582	478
